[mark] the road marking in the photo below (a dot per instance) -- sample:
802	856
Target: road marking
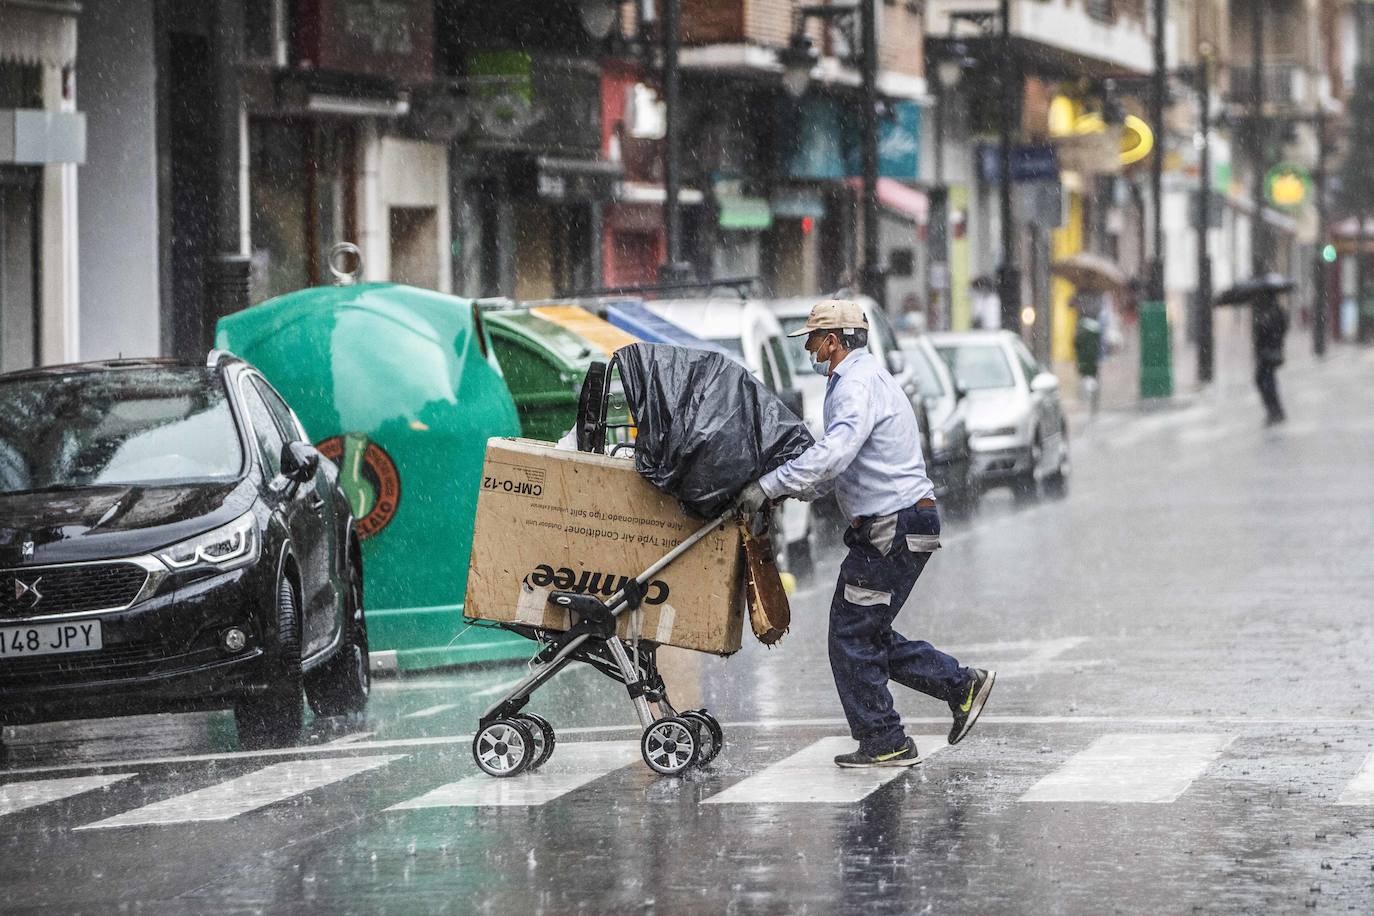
1360	791
16	796
1246	723
811	777
503	687
249	792
571	766
349	739
430	711
1122	768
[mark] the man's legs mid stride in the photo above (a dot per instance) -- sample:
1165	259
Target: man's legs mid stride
886	557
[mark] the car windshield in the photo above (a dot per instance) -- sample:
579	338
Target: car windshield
156	425
978	366
733	344
929	381
796	348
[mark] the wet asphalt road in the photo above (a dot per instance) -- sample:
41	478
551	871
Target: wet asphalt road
1183	722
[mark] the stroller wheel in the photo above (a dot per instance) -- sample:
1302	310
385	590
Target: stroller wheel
503	748
709	735
542	732
670	745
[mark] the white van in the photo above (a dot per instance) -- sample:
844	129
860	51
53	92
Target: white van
751	332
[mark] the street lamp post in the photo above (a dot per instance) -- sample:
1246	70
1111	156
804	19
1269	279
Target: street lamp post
1259	236
1008	274
1320	305
1206	358
856	21
948	72
673	269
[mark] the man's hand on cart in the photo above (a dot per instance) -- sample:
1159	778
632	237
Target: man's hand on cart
750	500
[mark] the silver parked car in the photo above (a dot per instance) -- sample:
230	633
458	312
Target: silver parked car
1016	422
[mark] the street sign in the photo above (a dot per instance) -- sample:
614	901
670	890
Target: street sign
1029	162
1287	185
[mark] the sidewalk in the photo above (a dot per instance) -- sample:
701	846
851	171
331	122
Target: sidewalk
1232	377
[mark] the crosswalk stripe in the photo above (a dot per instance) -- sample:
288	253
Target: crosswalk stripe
1126	768
810	776
430	711
1360	790
16	796
258	789
571	767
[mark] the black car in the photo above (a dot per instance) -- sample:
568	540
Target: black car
169	541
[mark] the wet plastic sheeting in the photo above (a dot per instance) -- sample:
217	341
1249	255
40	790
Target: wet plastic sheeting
706	426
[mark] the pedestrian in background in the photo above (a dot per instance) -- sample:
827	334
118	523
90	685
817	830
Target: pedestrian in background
1087	344
870	456
1268	328
985	304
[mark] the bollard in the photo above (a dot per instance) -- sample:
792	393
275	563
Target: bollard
1156	366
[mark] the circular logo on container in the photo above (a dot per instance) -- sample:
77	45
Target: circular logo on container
369	479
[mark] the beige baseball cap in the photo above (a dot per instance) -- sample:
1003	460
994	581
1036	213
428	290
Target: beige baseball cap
833	315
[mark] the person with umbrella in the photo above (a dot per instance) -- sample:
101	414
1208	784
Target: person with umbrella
1268	328
1095	279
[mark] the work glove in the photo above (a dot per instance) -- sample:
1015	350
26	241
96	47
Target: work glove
751	500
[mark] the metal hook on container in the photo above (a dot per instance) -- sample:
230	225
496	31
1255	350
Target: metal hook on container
337	256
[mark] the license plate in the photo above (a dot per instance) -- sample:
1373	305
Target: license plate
50	639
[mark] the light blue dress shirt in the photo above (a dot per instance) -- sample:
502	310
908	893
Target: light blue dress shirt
870	454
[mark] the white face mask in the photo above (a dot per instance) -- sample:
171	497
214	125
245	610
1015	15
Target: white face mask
820	366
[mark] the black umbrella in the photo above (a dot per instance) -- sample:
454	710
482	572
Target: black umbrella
1247	291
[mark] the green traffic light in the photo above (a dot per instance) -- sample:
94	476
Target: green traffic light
1329	254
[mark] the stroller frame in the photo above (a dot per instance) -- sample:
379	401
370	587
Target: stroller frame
510	741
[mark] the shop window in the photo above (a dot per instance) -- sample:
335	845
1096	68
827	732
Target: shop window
415	246
302	180
18	270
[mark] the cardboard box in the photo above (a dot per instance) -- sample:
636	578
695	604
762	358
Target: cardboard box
549	520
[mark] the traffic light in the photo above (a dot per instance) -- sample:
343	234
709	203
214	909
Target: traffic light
1329	253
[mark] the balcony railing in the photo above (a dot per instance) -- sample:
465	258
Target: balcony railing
1283	82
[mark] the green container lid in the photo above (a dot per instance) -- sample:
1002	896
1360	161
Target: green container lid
544	365
401	388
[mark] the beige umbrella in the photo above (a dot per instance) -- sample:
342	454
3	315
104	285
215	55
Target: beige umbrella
1090	272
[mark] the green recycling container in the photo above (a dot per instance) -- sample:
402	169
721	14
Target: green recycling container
402	389
544	366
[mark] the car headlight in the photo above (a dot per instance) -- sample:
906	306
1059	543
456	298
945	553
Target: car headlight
226	547
939	440
999	431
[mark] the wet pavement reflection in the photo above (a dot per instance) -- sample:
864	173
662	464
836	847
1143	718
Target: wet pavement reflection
1183	721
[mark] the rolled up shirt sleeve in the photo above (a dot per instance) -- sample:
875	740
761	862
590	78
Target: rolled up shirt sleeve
812	473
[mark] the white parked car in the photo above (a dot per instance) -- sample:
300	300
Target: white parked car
749	331
1017	429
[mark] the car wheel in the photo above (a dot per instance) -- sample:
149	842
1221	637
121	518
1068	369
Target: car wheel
1026	487
275	717
341	686
1057	484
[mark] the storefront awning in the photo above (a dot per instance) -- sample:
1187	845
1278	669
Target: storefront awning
38	32
645	193
744	214
904	201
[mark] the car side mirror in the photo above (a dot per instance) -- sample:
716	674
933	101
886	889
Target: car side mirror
960	390
896	362
1045	382
299	462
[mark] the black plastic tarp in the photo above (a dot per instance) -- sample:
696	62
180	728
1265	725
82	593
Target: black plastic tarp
705	426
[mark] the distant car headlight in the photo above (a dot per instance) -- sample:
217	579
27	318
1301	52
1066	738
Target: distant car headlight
226	547
939	440
999	431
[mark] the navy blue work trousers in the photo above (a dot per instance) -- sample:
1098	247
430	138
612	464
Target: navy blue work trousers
886	557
